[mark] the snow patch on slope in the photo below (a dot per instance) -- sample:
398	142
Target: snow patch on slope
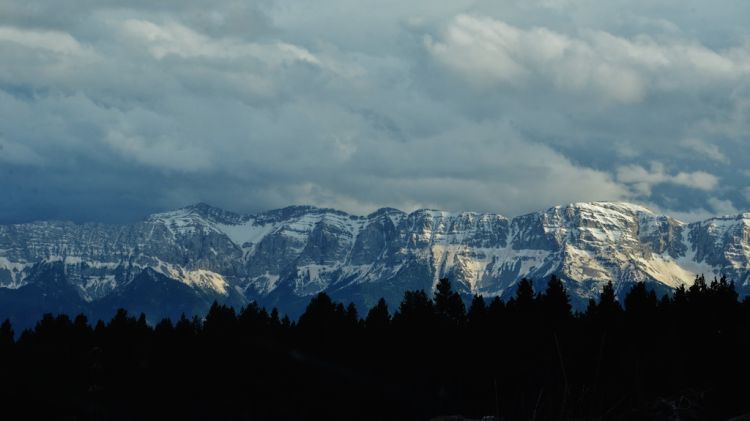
15	273
265	283
200	278
247	232
310	279
667	271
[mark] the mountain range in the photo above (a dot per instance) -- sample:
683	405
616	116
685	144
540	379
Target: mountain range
181	261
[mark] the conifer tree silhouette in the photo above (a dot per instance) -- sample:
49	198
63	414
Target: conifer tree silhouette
555	303
523	302
221	320
164	327
6	334
673	358
321	314
378	318
640	303
352	317
415	311
608	309
496	311
477	315
449	307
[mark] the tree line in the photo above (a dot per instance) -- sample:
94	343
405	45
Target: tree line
531	358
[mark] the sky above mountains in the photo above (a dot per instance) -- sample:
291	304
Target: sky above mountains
112	110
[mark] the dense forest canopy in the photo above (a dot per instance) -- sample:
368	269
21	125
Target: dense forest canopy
678	357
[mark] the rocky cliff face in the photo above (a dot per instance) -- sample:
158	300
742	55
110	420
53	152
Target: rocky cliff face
282	257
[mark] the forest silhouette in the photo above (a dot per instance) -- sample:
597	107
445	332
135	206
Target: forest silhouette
531	358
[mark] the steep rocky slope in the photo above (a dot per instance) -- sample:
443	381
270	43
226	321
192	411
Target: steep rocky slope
282	257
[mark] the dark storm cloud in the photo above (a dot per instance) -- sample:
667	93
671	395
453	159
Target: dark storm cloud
111	110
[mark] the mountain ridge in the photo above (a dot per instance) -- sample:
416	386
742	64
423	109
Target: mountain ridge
285	255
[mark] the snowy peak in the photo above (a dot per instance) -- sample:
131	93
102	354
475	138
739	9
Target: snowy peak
214	214
293	212
200	213
282	256
385	212
610	207
723	242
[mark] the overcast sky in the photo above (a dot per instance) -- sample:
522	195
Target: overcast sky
111	110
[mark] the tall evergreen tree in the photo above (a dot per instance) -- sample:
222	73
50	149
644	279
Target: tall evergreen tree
185	328
679	298
352	317
164	328
640	305
608	308
378	318
523	302
496	311
6	334
321	314
477	316
723	291
249	317
697	293
637	299
555	302
415	311
220	320
448	304
275	321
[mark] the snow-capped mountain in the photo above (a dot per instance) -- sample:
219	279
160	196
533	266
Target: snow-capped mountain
282	257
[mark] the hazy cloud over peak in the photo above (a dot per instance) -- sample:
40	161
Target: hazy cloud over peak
111	110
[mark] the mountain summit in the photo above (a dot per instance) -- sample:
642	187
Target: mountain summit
282	257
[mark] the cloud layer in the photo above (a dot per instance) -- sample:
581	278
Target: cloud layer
109	112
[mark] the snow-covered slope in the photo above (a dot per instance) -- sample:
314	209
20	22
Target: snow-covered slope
281	257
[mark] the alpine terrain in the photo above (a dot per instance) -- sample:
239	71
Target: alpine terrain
181	261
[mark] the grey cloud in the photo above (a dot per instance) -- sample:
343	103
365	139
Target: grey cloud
109	110
643	179
489	51
709	150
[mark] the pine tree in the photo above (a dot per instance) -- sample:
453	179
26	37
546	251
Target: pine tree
723	291
697	293
221	320
286	322
275	321
82	330
592	310
184	328
637	298
679	298
640	304
416	311
555	301
352	318
523	302
100	329
142	325
6	334
378	318
121	322
164	328
251	318
477	316
608	308
496	311
722	305
449	307
321	314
